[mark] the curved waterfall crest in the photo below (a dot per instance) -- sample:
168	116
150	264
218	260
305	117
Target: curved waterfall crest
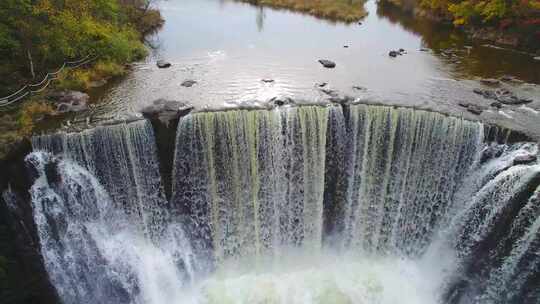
378	197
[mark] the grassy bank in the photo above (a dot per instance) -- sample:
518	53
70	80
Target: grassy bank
337	10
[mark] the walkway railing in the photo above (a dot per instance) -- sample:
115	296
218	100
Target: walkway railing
43	84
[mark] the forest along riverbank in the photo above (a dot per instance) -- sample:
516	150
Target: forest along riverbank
41	38
513	24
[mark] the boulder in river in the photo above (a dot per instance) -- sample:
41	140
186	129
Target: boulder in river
476	110
503	96
490	81
330	92
165	110
281	101
327	63
162	64
496	104
71	101
524	159
188	83
359	88
472	108
393	54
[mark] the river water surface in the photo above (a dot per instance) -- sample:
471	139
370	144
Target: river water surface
229	48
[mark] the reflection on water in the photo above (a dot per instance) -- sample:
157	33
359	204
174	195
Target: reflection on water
468	58
229	47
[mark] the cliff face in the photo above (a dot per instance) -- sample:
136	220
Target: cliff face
22	275
23	278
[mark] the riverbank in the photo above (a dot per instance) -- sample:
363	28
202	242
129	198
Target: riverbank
516	25
337	10
110	34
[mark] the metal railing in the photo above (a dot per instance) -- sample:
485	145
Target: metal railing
43	84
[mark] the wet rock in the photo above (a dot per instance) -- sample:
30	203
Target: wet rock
490	81
267	80
536	58
188	83
359	22
507	78
393	54
341	99
524	159
424	50
359	88
162	64
327	63
71	101
503	96
510	78
97	83
474	109
321	84
166	110
330	92
496	104
346	46
402	51
281	101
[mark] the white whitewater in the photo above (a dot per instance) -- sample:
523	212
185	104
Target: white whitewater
356	204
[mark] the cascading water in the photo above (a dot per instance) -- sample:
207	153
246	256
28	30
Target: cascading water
355	204
102	220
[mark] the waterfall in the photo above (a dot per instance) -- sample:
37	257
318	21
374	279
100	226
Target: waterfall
102	220
337	204
253	180
123	158
402	170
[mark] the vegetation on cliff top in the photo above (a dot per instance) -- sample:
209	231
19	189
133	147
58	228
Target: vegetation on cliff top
37	36
338	10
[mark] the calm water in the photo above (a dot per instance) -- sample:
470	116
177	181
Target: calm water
229	47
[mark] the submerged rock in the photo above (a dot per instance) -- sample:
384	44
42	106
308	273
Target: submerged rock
327	63
188	83
162	64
